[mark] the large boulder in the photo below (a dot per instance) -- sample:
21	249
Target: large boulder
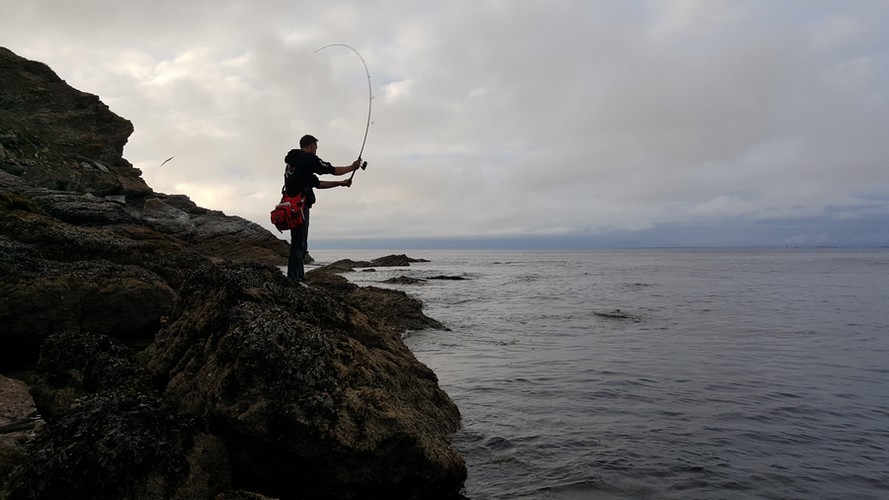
314	398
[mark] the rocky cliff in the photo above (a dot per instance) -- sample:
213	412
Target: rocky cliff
167	355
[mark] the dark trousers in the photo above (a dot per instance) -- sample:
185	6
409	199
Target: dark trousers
299	245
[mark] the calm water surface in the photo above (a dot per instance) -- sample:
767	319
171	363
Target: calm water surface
661	373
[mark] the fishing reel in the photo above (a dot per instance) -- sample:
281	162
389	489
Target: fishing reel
363	167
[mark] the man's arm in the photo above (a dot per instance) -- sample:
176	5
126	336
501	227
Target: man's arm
333	184
347	169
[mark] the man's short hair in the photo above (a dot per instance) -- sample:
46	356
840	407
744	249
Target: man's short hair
307	140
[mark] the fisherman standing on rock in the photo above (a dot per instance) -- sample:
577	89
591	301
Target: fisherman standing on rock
300	176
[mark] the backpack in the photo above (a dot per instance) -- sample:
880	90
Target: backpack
290	212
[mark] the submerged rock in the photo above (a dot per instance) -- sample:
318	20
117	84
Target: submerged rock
618	314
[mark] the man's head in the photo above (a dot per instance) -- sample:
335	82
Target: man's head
308	143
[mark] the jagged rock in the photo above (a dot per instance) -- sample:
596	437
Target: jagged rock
81	209
236	238
168	219
313	397
58	136
65	148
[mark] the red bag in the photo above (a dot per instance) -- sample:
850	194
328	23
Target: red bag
289	214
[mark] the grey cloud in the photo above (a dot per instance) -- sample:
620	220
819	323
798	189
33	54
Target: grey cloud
498	117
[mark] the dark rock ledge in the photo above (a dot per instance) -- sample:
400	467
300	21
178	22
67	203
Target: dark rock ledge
166	354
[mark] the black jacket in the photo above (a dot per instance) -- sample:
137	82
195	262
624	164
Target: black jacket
301	173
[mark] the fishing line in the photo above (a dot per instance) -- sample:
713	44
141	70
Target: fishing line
370	99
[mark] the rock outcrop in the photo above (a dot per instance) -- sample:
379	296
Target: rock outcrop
164	349
61	149
308	390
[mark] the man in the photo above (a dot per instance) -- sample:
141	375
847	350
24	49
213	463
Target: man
300	176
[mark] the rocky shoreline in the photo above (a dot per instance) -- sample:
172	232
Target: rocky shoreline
153	348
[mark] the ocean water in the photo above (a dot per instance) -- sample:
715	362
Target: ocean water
660	373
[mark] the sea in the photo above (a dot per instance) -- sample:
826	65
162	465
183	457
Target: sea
659	373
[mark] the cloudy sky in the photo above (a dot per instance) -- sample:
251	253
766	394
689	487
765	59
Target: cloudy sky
515	123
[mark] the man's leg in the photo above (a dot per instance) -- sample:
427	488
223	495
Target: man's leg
299	238
306	256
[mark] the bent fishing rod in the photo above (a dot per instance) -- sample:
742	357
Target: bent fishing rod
370	99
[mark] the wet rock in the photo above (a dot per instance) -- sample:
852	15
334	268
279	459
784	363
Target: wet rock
344	266
348	265
393	307
395	261
399	309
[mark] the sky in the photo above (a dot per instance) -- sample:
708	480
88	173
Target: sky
522	123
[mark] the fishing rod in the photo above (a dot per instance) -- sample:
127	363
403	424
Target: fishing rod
370	99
